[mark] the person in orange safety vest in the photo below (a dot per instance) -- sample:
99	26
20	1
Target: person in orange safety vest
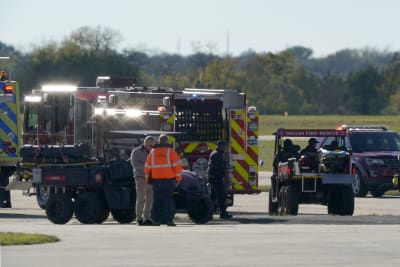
164	170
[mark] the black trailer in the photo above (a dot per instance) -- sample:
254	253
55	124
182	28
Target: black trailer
91	189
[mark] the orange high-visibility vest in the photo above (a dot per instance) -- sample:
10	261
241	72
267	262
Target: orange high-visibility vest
163	163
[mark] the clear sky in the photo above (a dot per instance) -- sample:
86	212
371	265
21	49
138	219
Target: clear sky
175	25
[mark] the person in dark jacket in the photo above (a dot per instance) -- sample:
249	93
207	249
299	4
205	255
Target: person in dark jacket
216	173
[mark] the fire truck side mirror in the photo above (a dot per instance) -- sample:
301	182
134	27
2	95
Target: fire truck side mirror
166	101
112	100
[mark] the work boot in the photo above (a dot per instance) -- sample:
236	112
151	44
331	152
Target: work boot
147	223
225	215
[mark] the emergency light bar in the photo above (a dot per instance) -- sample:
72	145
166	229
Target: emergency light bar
59	88
132	113
34	99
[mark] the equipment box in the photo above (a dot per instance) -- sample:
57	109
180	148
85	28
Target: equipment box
61	176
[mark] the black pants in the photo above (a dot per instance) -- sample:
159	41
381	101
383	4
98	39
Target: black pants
5	198
163	210
218	186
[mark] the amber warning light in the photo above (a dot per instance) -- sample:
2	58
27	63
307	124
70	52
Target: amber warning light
8	88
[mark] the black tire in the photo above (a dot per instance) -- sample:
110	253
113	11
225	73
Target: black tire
59	208
200	210
42	196
341	201
347	195
292	200
124	216
272	206
377	193
359	188
89	208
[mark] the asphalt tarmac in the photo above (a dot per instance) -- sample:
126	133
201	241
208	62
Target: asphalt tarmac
252	238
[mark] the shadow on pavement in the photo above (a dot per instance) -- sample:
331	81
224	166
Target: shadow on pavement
21	216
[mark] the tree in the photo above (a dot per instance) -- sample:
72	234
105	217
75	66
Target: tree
98	38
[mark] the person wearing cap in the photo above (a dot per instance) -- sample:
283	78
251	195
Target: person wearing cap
289	150
311	154
311	147
165	169
216	174
144	191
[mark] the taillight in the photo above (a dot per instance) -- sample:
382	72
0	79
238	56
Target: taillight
13	150
7	143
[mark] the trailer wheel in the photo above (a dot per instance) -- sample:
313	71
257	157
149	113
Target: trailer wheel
292	200
341	201
200	210
124	216
42	196
59	208
89	208
347	199
333	202
272	206
282	201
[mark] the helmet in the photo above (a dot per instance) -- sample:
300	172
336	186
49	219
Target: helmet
287	143
312	141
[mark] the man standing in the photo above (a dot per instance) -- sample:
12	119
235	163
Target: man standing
144	191
165	168
216	174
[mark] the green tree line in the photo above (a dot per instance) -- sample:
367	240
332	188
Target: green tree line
364	81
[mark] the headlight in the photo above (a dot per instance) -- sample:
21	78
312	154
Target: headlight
372	161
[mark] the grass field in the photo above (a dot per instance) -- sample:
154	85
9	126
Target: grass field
8	239
270	123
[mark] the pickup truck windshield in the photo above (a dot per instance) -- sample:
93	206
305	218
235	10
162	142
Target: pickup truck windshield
374	141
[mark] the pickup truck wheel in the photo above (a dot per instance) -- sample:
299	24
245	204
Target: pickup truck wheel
292	200
200	210
359	188
59	208
89	208
124	216
42	196
377	193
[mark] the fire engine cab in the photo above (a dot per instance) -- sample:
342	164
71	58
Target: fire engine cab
202	116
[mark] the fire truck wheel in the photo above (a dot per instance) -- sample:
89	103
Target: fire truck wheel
292	200
59	208
272	206
200	210
124	216
282	201
42	196
359	188
89	208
